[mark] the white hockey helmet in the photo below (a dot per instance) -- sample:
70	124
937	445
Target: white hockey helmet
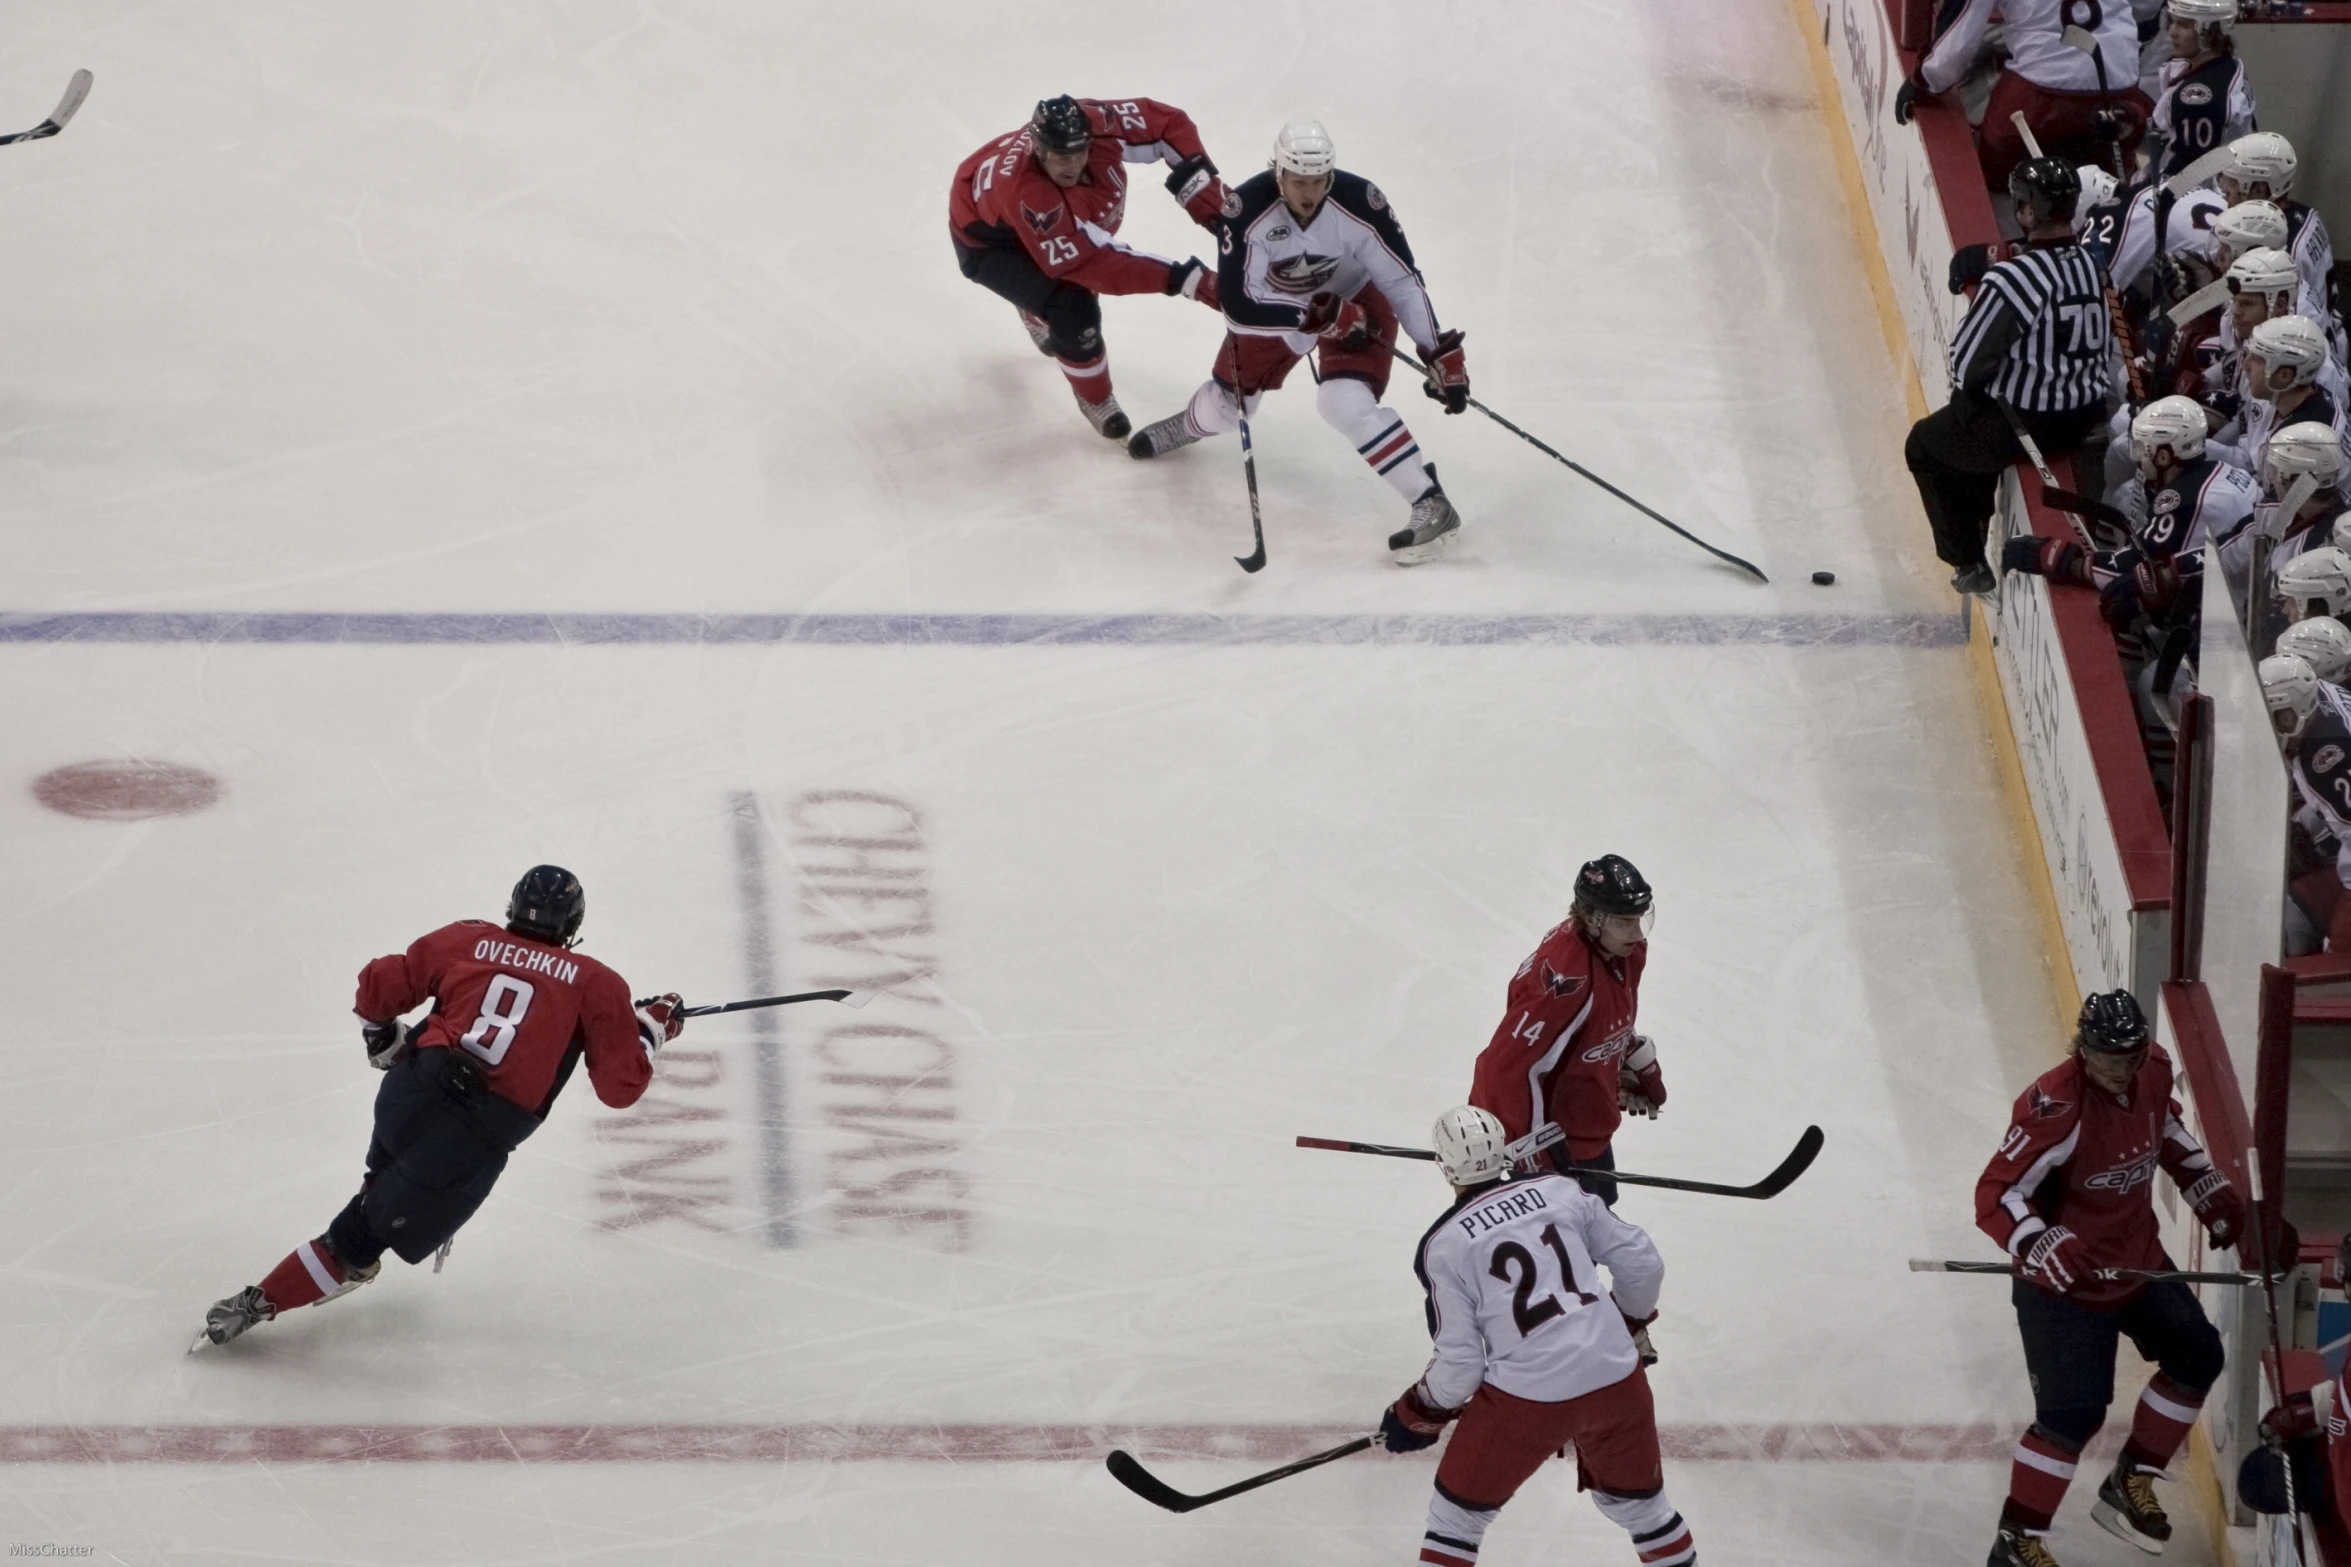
2176	422
2290	687
1471	1147
2262	158
2251	225
1304	147
2319	576
2286	343
2204	13
2306	448
2267	271
2324	644
2098	189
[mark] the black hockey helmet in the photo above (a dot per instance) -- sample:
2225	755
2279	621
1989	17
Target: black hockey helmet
1610	885
2050	186
1061	125
548	903
2111	1024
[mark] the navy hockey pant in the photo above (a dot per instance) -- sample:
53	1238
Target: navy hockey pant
440	1144
1599	1186
1073	313
1957	454
2069	1350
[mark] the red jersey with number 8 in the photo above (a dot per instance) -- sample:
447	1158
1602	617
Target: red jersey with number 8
518	1006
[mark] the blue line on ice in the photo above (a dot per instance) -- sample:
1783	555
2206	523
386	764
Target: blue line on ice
978	630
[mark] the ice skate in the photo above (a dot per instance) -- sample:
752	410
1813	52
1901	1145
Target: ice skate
2020	1548
1435	525
1976	579
1039	333
1107	418
1172	433
231	1317
2128	1510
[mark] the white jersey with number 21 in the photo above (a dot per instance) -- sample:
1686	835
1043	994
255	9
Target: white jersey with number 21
1515	1296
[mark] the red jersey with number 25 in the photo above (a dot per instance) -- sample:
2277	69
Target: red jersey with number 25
1002	194
1559	1051
518	1006
2081	1158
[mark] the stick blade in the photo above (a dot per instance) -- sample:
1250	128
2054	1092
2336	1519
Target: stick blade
1144	1484
1798	1161
75	91
1925	1265
854	998
1252	563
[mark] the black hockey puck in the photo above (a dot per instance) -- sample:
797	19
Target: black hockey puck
1822	579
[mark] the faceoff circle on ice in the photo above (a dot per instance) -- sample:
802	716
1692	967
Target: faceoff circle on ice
127	790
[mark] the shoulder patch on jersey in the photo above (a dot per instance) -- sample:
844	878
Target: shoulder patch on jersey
2195	95
1561	984
2327	759
1042	222
2166	500
2046	1106
1278	231
1232	203
1373	194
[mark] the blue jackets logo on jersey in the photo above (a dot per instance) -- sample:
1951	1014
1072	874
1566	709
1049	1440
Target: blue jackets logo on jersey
2326	759
2195	95
1302	274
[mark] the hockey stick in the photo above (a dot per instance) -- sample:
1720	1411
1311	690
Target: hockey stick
1747	566
847	998
2136	1275
2083	506
1255	560
2024	437
1798	1161
2277	1345
1159	1493
76	89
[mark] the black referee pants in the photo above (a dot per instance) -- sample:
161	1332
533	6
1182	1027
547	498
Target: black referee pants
1957	454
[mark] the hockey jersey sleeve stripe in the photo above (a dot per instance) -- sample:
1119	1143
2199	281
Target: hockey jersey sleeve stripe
1538	1075
2017	1202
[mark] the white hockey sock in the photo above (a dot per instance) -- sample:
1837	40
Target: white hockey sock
1348	406
1659	1534
1454	1533
1214	410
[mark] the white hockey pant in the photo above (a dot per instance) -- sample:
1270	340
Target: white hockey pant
1347	406
1659	1536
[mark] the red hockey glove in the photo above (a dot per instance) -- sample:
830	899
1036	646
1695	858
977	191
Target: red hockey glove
386	1043
1411	1423
2056	1261
658	1021
2291	1421
1640	1083
2220	1209
1340	322
2060	560
1208	199
1191	278
1448	379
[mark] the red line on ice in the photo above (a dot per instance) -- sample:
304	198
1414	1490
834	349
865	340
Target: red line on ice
680	1443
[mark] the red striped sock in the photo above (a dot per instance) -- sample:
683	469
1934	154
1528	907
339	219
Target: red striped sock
2037	1480
311	1272
1090	380
1669	1546
2165	1414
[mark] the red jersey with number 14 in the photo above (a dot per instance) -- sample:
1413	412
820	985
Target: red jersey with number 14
1559	1051
518	1006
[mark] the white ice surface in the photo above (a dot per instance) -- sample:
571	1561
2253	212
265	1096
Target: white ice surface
648	307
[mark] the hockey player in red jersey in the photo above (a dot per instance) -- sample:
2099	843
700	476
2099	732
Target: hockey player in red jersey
1565	1053
1035	215
1530	1354
2072	1191
514	1011
1314	261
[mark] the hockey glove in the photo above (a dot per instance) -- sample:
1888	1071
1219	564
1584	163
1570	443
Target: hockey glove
2292	1421
386	1043
1638	1327
1906	98
1409	1424
1191	278
1208	199
2056	1260
1342	323
1448	378
1640	1083
658	1020
2060	560
1969	263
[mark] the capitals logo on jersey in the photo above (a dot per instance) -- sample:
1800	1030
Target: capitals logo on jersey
2046	1106
1302	274
1611	1047
2124	1177
1043	222
1561	984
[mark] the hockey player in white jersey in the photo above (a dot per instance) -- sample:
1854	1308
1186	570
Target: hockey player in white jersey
1314	261
2261	167
2285	363
1532	1353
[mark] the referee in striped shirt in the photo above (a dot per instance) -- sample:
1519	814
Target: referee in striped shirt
2037	339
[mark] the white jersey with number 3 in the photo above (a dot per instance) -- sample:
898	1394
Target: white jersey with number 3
1515	1296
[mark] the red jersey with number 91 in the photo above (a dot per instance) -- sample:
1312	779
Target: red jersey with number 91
516	1005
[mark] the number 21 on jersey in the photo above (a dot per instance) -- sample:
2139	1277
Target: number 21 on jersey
1514	1264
